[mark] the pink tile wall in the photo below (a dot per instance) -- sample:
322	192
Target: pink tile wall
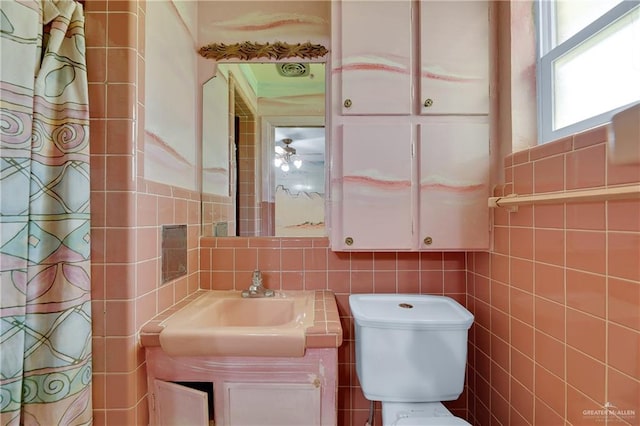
557	300
558	296
127	214
248	165
248	207
217	208
267	219
309	264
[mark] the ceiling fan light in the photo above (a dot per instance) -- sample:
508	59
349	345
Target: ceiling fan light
297	162
284	167
277	162
279	150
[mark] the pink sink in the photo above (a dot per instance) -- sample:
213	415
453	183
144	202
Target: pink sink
222	323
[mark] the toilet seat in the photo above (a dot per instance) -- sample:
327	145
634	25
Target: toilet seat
419	414
430	421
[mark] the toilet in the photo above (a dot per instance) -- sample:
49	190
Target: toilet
411	353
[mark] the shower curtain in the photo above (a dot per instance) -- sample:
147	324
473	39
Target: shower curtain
45	316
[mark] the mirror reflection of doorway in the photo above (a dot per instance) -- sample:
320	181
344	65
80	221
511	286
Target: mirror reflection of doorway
236	178
299	181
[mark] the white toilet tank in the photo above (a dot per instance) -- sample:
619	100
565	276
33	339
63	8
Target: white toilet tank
410	348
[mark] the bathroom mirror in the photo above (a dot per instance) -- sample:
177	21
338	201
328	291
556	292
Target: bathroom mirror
263	149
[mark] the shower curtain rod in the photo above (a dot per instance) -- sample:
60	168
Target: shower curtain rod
512	201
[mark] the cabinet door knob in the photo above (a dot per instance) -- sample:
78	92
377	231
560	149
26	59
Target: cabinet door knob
428	240
348	241
347	103
428	103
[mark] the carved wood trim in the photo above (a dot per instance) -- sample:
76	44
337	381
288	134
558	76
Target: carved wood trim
250	50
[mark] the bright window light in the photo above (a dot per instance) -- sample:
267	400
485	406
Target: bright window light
572	16
589	64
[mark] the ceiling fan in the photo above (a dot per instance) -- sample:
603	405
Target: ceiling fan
286	155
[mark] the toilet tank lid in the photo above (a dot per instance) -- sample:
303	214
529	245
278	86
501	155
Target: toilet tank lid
409	311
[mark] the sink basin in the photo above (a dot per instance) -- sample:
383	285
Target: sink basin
222	323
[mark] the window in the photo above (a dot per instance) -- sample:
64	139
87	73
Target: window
588	63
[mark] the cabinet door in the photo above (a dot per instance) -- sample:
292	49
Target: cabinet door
454	183
375	57
376	183
177	405
454	57
277	404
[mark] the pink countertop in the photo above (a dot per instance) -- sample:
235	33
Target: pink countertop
326	331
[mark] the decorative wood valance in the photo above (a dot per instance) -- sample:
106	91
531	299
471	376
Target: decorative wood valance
249	50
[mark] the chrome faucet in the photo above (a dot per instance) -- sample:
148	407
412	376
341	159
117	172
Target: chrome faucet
256	289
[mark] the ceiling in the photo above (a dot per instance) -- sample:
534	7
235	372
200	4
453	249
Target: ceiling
267	82
308	141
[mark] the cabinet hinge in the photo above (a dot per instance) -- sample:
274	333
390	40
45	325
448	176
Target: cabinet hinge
152	401
413	150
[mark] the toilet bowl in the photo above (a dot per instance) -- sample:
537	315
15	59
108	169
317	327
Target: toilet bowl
411	353
418	414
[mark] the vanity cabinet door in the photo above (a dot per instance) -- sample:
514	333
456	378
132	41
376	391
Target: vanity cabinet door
375	64
454	57
376	205
177	405
454	176
277	404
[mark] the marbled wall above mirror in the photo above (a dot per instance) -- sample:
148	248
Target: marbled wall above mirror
264	21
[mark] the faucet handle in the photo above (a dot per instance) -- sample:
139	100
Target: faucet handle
257	277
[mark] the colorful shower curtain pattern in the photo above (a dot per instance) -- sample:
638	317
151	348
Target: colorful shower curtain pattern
45	316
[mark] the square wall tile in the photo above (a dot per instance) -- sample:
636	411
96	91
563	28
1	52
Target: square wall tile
587	333
549	174
585	168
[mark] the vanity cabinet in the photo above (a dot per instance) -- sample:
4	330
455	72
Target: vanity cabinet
410	127
172	404
245	391
254	403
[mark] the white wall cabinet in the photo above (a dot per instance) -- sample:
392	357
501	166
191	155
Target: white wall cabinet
375	45
379	69
379	199
454	175
454	57
409	125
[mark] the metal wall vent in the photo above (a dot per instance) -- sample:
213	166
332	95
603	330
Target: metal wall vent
292	69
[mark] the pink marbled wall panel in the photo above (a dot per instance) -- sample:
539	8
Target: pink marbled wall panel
308	105
523	76
171	87
262	21
215	136
299	214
